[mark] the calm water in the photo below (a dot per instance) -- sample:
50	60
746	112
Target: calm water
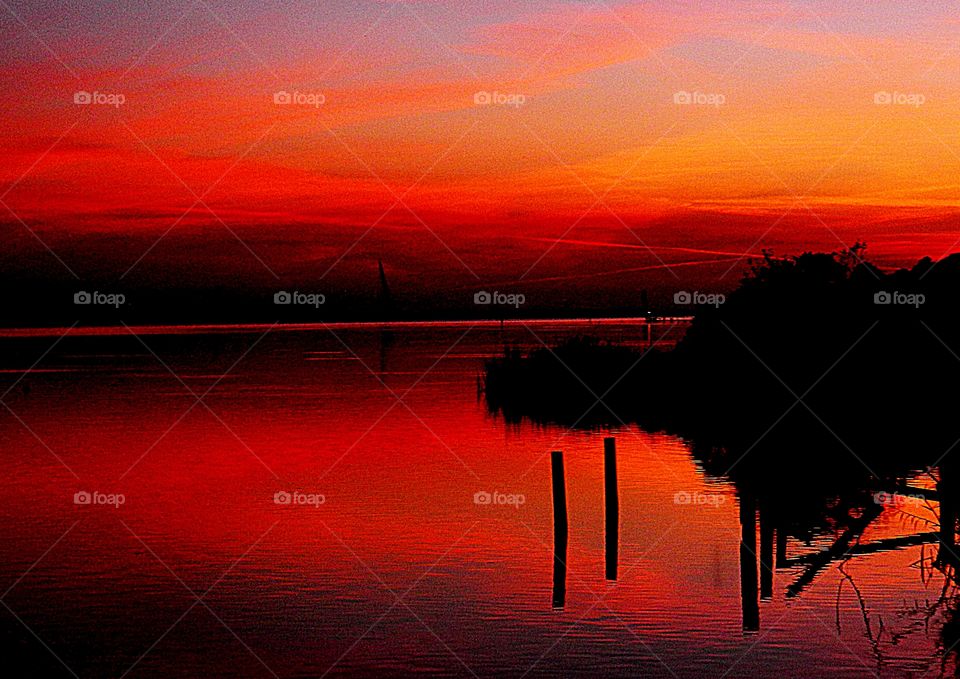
200	572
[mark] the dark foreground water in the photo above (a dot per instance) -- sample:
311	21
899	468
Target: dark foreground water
300	503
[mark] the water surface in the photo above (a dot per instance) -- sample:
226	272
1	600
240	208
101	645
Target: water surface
200	571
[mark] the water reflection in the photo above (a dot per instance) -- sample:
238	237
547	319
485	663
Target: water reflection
748	563
811	524
947	494
505	588
611	514
836	534
560	529
766	552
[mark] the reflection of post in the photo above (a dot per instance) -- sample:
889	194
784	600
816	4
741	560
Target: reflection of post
748	563
766	552
559	530
781	545
946	488
611	506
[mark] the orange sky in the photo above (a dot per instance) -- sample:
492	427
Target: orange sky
789	141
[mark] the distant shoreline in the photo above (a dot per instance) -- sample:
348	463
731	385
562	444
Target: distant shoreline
222	328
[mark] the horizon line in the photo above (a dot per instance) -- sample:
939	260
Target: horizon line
212	328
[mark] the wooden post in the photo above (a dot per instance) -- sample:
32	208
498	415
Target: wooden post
559	494
748	563
560	530
611	506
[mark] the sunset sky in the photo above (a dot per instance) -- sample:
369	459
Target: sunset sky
810	124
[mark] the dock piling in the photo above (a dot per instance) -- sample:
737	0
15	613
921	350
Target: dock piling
611	507
560	529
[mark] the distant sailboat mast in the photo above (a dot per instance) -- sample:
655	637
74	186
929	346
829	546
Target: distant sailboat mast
384	299
385	309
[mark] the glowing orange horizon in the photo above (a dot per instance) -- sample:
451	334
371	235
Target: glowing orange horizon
534	120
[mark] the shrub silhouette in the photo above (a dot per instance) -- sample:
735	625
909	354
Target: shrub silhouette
802	351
